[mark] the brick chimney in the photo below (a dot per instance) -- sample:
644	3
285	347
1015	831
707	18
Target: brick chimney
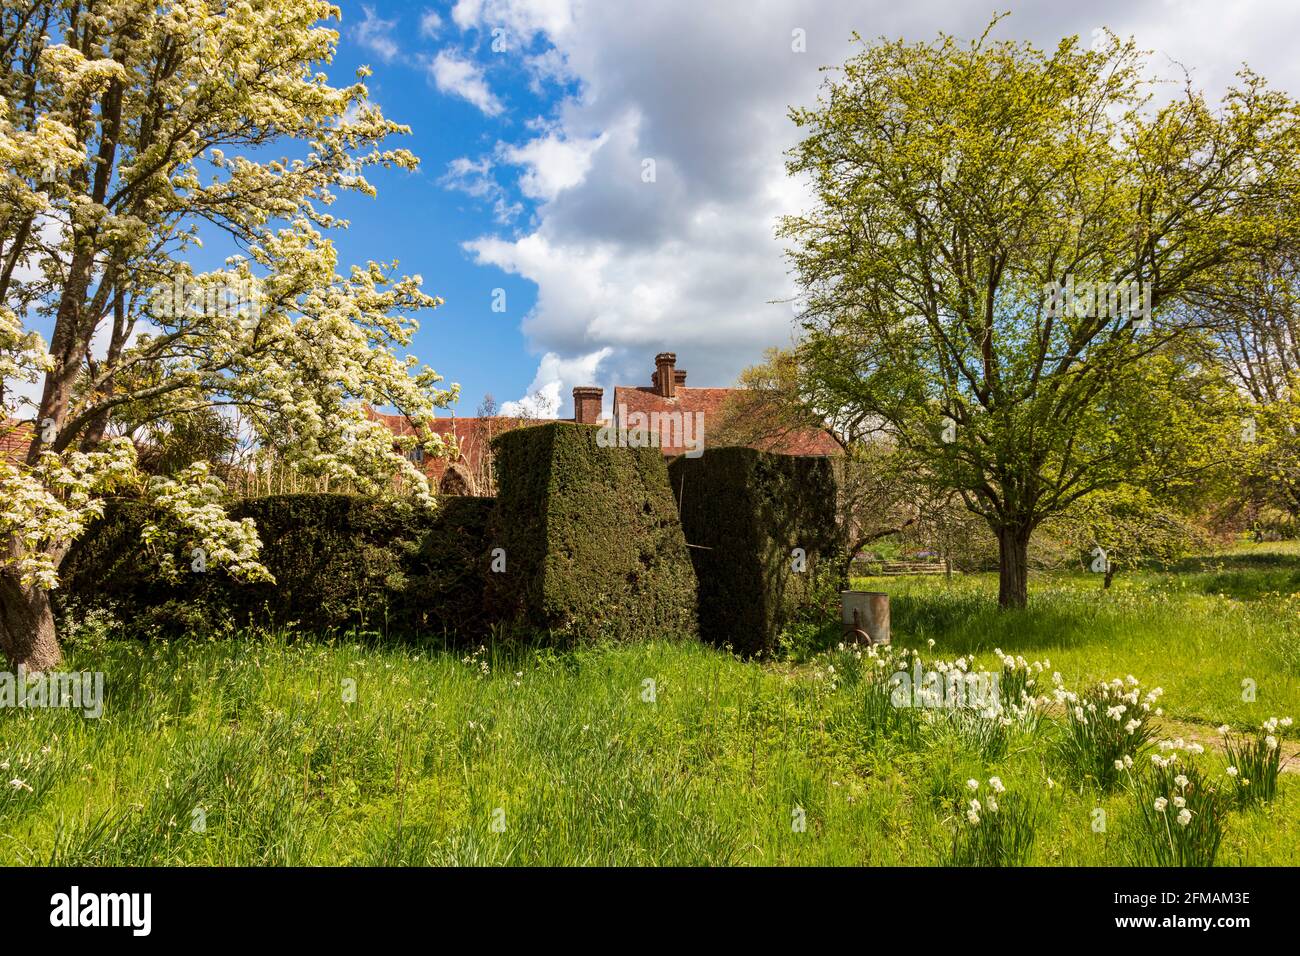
666	374
586	404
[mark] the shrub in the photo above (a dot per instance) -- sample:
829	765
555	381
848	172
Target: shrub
1106	728
590	538
339	561
1255	761
1180	814
997	830
745	513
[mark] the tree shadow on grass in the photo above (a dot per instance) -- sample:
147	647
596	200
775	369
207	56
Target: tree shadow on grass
1237	561
1244	576
966	624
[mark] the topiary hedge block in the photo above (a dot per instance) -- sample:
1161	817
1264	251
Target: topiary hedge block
745	513
339	561
590	538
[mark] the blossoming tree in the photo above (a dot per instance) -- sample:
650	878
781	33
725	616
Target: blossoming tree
129	131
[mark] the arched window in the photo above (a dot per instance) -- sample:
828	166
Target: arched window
453	483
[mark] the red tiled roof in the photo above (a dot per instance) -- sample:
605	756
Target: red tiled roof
15	437
472	436
709	403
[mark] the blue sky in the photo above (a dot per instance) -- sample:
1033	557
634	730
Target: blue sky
534	156
420	221
537	122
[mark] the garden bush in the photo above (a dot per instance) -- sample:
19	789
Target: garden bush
745	513
589	537
339	561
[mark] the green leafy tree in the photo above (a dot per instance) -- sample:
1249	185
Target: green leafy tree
996	253
1253	317
1123	528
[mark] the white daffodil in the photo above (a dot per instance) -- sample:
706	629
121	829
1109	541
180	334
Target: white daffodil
996	784
1161	803
1184	817
972	784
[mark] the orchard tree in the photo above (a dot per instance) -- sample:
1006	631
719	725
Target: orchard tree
129	131
997	246
882	490
1253	314
1123	528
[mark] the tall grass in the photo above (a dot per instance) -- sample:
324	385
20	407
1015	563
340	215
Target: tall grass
277	751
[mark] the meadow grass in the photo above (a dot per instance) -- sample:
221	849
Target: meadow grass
1199	630
275	751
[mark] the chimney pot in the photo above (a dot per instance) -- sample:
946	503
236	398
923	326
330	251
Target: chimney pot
666	373
586	404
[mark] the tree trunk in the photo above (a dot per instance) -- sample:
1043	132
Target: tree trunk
1013	566
27	634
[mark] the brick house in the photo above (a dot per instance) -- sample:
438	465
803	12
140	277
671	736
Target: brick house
15	438
680	416
676	415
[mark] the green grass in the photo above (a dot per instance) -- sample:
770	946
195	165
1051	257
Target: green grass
1198	630
564	754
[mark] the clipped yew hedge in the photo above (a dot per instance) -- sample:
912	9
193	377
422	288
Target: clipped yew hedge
340	561
590	537
744	513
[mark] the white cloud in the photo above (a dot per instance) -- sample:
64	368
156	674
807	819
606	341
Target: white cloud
458	76
474	178
552	163
554	382
375	35
689	262
430	24
522	18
